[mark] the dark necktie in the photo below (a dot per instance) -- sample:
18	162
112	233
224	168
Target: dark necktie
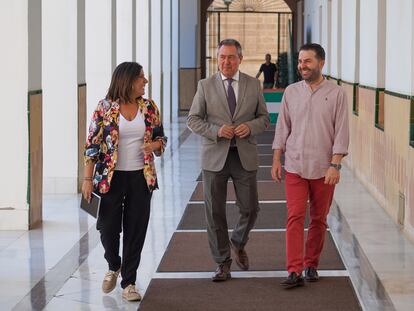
231	97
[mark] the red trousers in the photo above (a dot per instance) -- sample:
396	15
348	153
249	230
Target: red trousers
298	191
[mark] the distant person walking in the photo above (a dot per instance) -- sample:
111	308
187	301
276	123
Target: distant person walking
270	72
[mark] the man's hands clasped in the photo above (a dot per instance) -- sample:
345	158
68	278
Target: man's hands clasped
229	131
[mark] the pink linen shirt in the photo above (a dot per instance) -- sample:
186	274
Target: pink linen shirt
312	126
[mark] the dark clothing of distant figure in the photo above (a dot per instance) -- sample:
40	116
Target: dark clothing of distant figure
269	74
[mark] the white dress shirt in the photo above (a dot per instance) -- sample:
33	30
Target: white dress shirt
235	83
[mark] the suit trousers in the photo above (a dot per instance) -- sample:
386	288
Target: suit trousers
125	207
215	194
320	195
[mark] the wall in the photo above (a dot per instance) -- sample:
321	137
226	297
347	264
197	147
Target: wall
189	73
188	33
369	43
350	41
59	72
156	52
98	51
399	46
142	46
123	31
166	61
175	59
336	39
14	64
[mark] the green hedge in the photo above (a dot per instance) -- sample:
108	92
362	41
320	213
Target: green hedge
283	77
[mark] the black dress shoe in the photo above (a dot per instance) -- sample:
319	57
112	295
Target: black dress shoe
293	280
222	272
311	274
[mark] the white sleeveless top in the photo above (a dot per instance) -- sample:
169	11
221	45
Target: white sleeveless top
131	139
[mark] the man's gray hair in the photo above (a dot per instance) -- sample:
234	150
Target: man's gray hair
231	42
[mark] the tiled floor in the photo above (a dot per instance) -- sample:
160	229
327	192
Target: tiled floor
60	267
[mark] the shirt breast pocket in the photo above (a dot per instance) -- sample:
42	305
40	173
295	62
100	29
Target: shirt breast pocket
328	109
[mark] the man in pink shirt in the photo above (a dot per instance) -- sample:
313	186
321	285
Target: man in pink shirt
312	131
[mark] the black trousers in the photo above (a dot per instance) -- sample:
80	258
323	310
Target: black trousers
125	207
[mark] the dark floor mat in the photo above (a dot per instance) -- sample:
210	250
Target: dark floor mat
271	216
249	294
265	139
263	174
265	149
267	134
267	190
189	251
265	159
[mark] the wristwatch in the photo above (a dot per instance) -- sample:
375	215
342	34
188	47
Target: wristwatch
337	166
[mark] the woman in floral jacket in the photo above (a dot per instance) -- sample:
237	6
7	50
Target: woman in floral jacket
124	134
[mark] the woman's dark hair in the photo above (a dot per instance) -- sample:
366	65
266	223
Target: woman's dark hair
319	51
121	83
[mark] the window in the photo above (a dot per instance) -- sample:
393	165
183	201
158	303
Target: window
355	106
412	123
379	109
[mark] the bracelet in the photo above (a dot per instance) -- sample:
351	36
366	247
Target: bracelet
88	178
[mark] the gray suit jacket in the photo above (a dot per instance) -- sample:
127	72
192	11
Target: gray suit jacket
210	111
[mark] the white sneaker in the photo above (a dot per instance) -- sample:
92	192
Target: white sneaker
109	281
130	293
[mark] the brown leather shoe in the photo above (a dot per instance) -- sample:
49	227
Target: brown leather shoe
222	272
241	257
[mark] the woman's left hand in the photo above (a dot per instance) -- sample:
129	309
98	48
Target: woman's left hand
149	148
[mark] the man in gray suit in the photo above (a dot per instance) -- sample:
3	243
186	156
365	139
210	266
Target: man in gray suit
228	111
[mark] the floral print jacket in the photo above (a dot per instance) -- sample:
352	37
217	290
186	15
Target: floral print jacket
102	143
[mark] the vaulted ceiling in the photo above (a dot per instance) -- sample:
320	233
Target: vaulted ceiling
252	6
